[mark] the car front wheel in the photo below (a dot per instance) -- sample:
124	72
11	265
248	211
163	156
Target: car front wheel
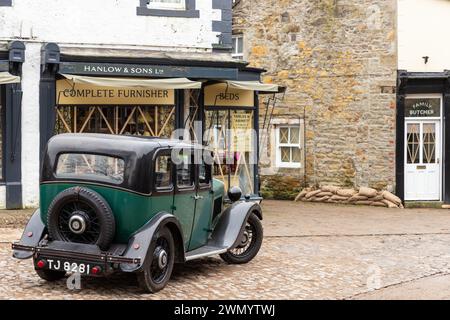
159	262
249	245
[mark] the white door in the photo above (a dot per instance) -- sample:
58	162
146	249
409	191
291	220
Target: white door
422	160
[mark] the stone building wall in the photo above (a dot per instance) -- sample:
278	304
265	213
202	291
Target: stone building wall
338	59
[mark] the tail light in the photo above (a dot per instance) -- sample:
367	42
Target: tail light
96	270
41	264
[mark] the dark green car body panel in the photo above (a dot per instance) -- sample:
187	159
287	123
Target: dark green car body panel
133	210
183	209
202	220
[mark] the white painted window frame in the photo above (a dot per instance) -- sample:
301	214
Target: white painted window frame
236	54
278	146
181	5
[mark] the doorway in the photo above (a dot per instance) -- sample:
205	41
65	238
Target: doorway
423	149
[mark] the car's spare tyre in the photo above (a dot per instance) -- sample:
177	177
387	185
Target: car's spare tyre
81	215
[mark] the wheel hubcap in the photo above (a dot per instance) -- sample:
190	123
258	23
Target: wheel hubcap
245	239
77	223
161	257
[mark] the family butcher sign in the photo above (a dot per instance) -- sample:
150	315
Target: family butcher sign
423	107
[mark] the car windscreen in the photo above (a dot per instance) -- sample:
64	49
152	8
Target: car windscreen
90	167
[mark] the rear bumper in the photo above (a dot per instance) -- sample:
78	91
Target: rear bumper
73	253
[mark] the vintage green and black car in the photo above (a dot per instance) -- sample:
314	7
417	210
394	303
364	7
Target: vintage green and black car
134	204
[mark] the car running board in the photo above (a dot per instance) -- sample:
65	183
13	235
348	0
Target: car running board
205	251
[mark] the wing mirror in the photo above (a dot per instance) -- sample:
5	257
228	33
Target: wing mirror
234	194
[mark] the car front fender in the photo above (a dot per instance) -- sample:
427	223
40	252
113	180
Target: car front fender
231	224
32	235
140	242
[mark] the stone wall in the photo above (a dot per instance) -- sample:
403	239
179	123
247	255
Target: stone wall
338	59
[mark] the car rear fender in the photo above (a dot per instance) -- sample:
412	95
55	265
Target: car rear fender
140	242
32	235
231	224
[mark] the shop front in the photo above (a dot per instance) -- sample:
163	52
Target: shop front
230	118
125	106
423	131
213	103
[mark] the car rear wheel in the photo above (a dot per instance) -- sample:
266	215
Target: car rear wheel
50	275
81	215
159	262
249	245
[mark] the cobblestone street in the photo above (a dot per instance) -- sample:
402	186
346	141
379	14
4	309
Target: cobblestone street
311	251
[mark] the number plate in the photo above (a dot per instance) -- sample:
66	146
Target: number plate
69	266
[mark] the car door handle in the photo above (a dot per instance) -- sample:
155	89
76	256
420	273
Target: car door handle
197	197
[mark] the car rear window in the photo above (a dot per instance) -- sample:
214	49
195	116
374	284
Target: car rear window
91	167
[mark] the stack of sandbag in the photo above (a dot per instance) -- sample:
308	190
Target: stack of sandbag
363	196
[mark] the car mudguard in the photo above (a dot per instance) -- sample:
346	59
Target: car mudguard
32	235
231	224
140	242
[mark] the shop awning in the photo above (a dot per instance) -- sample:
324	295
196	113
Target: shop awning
171	83
256	86
6	77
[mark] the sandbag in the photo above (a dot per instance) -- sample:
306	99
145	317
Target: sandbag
363	202
378	204
331	189
339	198
389	204
312	193
301	195
392	197
376	198
321	199
358	197
346	192
323	194
368	192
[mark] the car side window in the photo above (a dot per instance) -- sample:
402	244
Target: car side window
185	174
204	174
163	172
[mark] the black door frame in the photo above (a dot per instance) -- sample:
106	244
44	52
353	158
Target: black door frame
422	83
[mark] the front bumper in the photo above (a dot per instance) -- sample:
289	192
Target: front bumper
76	252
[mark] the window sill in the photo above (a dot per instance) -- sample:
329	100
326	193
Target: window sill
289	166
144	11
217	46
